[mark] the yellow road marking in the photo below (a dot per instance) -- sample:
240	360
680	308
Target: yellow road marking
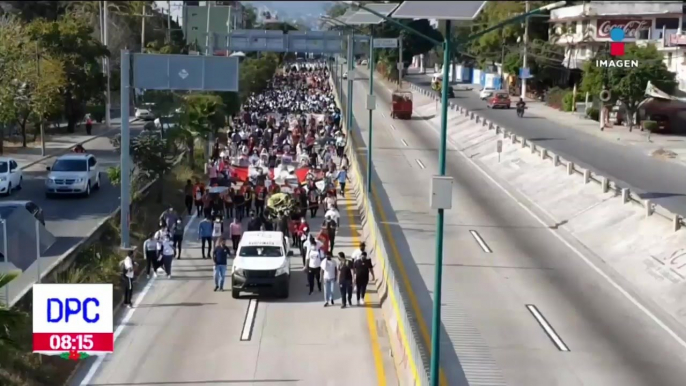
371	322
401	267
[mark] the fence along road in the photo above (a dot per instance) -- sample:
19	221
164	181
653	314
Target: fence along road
520	306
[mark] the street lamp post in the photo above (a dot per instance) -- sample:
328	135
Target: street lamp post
447	46
371	102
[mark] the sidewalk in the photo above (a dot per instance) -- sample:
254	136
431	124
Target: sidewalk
662	146
56	144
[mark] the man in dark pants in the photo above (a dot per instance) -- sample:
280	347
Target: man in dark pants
345	280
150	247
205	232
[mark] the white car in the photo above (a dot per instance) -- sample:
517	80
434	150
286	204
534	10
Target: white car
486	93
144	114
73	174
262	263
11	176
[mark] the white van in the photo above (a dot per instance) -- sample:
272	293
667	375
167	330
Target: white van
262	264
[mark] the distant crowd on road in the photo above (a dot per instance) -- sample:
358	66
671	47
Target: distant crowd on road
284	146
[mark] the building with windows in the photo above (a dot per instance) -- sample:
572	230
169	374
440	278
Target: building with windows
224	16
584	29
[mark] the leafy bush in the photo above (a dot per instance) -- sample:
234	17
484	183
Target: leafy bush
649	125
97	112
554	97
593	113
567	104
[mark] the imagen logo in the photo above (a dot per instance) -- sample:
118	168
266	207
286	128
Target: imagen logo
617	46
617	36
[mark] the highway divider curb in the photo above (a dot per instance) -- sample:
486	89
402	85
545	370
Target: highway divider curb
70	148
408	354
620	188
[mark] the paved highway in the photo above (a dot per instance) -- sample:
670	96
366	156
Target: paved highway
520	305
69	219
652	178
182	333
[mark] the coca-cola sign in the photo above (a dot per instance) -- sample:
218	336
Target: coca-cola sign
630	27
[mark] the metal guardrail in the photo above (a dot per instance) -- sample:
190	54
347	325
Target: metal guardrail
607	185
400	319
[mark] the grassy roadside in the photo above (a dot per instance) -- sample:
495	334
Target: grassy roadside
98	263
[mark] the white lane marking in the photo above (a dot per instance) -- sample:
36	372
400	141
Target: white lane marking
404	143
124	322
393	127
480	241
578	253
383	115
421	165
547	328
249	321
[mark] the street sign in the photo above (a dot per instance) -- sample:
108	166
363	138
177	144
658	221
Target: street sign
525	73
385	43
249	40
316	42
185	72
499	148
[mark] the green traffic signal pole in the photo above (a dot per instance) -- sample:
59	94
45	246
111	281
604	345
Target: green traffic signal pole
371	112
434	376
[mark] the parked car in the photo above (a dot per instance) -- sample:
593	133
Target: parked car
73	174
35	210
11	176
486	93
144	114
662	122
500	99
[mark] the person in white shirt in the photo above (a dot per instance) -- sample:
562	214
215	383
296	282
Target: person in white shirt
314	266
127	276
167	255
329	272
333	215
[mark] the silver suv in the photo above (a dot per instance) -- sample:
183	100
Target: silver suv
73	174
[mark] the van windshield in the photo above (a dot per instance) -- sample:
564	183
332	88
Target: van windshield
260	251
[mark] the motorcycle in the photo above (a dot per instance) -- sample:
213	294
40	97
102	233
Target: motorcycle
520	110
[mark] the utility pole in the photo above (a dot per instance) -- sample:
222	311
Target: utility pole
526	49
143	30
207	30
40	117
168	22
229	28
108	105
502	59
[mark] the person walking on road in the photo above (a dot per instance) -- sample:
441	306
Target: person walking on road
169	217
331	226
343	179
167	255
205	232
345	280
217	230
150	248
188	196
236	230
127	277
177	237
313	265
357	254
221	259
362	267
329	272
198	192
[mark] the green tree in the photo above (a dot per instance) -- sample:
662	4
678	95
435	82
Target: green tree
42	97
628	84
154	157
12	61
71	41
249	16
336	9
203	114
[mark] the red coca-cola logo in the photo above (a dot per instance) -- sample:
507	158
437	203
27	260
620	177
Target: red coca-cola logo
630	27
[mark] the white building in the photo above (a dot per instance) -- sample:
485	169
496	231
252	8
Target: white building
584	28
